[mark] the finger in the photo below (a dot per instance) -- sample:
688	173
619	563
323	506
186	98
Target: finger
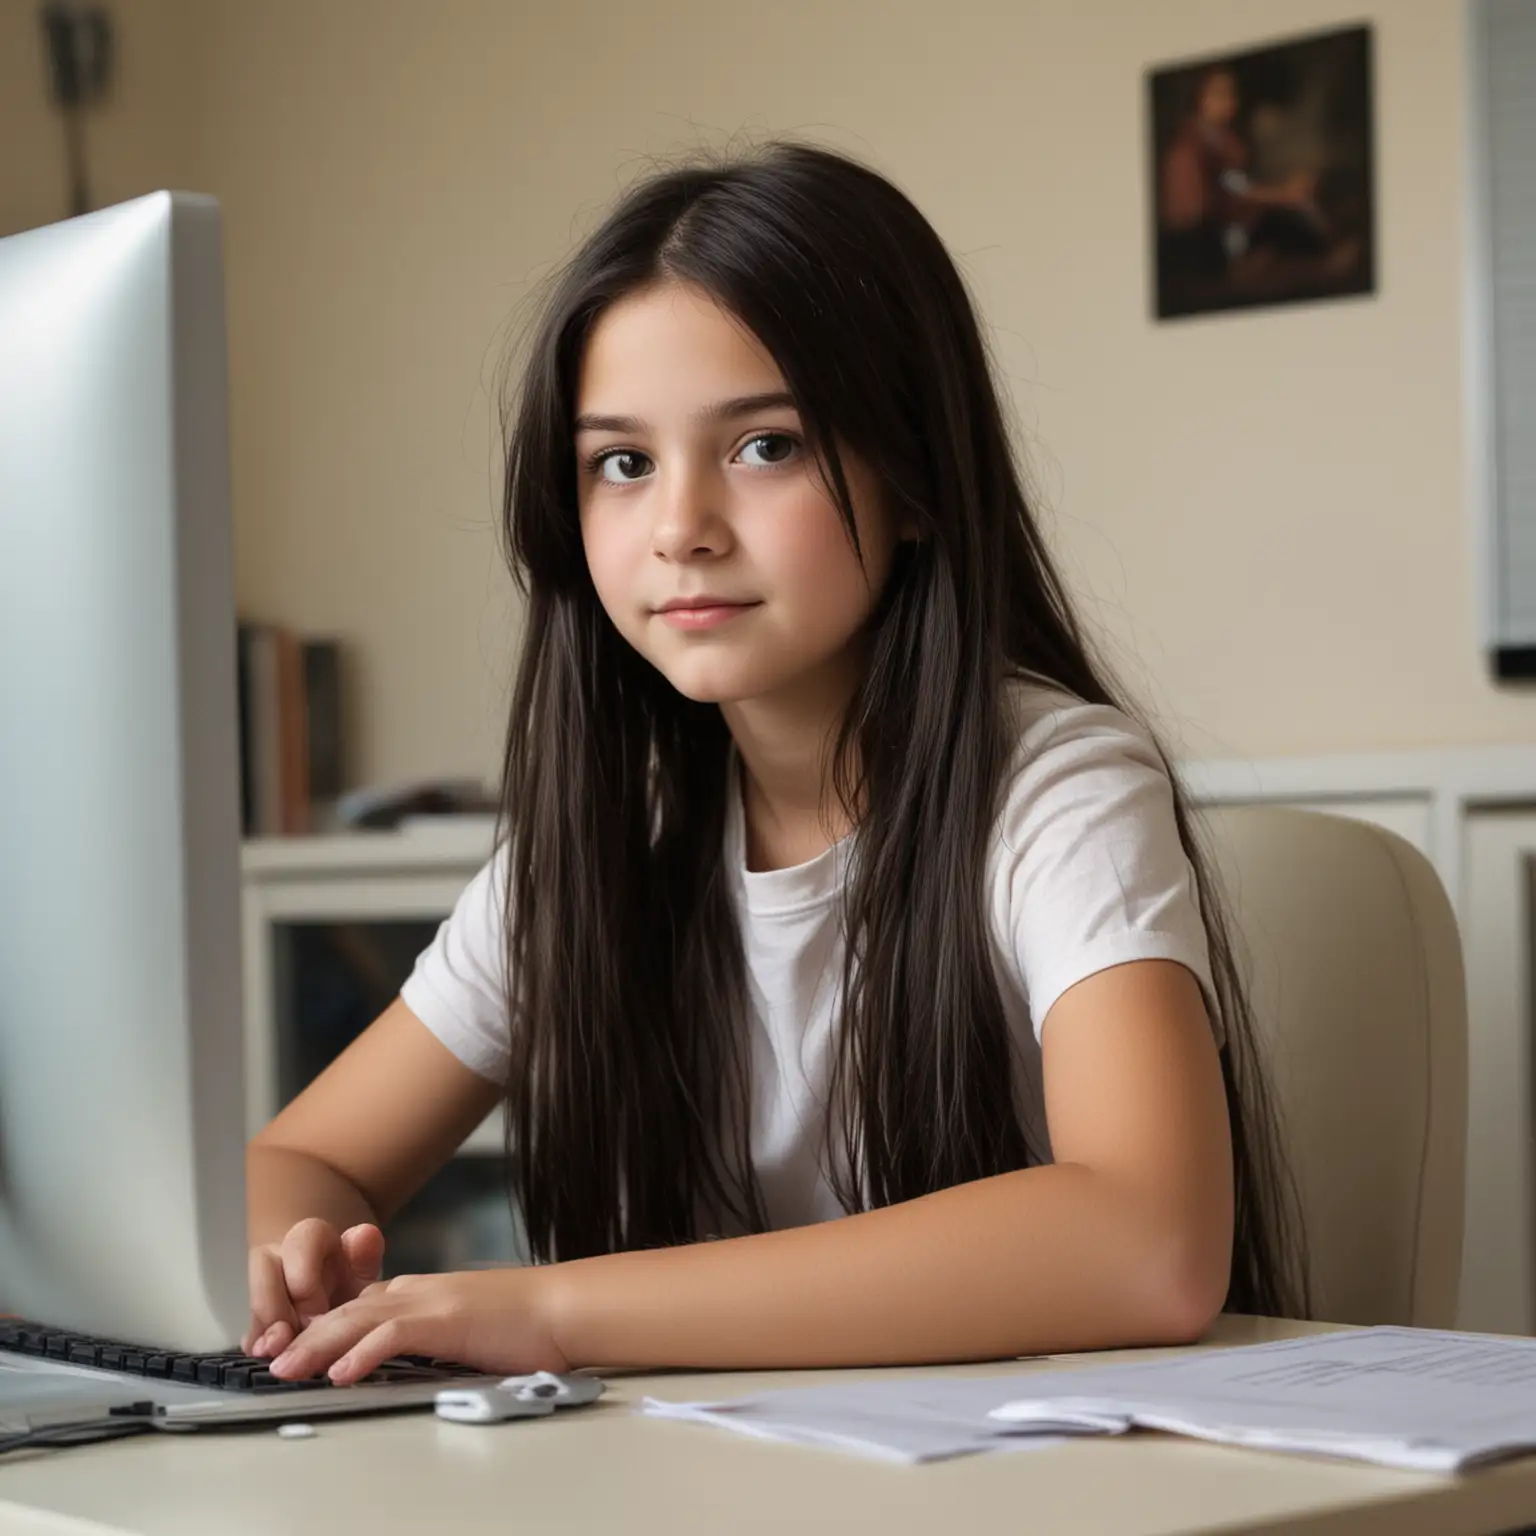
363	1248
308	1251
394	1336
270	1302
275	1340
328	1338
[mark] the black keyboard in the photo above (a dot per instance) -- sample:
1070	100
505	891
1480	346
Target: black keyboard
233	1371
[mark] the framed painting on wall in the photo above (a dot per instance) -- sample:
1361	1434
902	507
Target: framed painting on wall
1262	175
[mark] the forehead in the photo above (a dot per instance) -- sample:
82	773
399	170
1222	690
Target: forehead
670	348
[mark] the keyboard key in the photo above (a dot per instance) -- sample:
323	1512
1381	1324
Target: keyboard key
265	1381
229	1366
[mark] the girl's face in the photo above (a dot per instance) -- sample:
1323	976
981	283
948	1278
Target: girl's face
712	542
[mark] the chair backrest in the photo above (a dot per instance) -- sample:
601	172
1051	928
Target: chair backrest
1354	965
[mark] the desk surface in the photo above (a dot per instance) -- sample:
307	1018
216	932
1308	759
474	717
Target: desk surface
608	1469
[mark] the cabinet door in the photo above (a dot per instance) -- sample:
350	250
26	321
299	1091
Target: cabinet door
325	955
320	952
1498	1276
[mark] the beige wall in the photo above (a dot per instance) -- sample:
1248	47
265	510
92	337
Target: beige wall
141	138
1266	513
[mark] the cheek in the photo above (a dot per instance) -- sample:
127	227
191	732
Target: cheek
810	549
609	559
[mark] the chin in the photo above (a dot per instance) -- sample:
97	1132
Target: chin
708	692
714	684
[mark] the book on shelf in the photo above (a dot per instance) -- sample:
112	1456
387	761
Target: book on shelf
290	729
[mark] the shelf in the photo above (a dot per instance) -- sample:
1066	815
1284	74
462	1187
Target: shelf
436	842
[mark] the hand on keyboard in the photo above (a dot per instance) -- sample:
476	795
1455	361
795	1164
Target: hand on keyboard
313	1269
496	1320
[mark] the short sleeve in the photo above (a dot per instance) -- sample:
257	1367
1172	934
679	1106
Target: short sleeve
457	987
1089	870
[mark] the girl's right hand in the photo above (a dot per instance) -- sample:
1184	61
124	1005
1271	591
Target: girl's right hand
313	1269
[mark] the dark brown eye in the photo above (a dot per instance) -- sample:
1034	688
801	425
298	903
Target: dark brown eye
622	466
770	448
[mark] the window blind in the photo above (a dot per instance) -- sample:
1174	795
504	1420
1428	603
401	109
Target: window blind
1508	70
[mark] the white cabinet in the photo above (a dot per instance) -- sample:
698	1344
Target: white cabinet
1498	923
331	928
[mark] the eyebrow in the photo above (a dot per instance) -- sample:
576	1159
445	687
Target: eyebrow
710	415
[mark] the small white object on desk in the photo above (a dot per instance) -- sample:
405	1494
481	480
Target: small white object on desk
295	1431
516	1397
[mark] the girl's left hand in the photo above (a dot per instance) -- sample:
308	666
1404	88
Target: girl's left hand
495	1320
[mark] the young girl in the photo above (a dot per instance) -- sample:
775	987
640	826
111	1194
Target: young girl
855	987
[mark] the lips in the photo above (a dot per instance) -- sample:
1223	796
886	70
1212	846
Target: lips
703	600
703	612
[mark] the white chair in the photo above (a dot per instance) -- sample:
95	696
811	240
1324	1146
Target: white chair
1355	970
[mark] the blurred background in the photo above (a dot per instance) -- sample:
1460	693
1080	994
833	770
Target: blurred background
1268	514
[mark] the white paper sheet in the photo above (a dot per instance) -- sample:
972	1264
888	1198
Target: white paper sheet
1402	1397
901	1418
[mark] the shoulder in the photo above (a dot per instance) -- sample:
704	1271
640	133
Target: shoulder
1087	866
1070	756
458	986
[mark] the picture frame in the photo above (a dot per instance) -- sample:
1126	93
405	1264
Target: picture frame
1262	175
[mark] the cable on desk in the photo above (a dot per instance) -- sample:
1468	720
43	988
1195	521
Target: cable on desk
128	1421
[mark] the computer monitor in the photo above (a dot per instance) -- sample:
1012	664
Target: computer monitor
122	1208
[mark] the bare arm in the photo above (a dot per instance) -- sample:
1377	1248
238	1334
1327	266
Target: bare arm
368	1132
1125	1240
285	1187
346	1154
1182	190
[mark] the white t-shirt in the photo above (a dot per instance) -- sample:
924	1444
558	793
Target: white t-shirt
1085	871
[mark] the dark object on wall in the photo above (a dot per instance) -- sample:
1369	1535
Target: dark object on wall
1514	663
1263	176
80	53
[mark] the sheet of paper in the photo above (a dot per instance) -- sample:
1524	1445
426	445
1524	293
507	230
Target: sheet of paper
897	1418
1402	1397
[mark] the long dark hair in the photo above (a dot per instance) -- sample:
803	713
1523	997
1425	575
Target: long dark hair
628	1094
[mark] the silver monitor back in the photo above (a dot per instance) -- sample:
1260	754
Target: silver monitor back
122	1196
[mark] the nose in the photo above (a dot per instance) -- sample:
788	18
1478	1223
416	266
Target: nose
688	523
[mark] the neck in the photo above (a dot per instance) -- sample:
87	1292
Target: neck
785	742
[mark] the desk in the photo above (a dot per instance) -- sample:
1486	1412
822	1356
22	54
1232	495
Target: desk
606	1469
